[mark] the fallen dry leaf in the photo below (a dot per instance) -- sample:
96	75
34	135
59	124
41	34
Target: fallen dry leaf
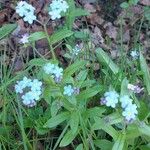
95	19
90	8
97	36
111	31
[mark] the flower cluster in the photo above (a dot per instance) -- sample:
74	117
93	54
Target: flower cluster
26	11
53	70
129	109
69	90
112	98
30	91
57	7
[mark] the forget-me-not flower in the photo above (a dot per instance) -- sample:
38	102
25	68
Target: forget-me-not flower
68	90
26	11
130	112
111	98
53	70
22	84
30	91
56	7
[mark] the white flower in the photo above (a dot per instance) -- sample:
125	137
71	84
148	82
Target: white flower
58	6
131	87
68	90
125	101
130	112
24	39
22	84
134	54
26	10
76	50
134	88
111	98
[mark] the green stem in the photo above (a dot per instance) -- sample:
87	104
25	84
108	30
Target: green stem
20	118
60	137
49	42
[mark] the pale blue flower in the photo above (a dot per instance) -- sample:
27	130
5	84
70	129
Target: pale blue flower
31	91
55	14
36	85
29	18
28	99
58	6
53	70
22	84
68	90
58	72
21	8
111	98
26	11
125	101
130	112
49	68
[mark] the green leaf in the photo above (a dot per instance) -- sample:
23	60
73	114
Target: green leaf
74	121
106	60
124	5
147	12
143	111
79	12
132	132
67	139
119	143
96	111
55	106
103	144
100	124
81	35
74	67
37	62
114	118
146	74
89	92
37	36
56	120
7	29
124	87
144	129
79	147
82	75
60	35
